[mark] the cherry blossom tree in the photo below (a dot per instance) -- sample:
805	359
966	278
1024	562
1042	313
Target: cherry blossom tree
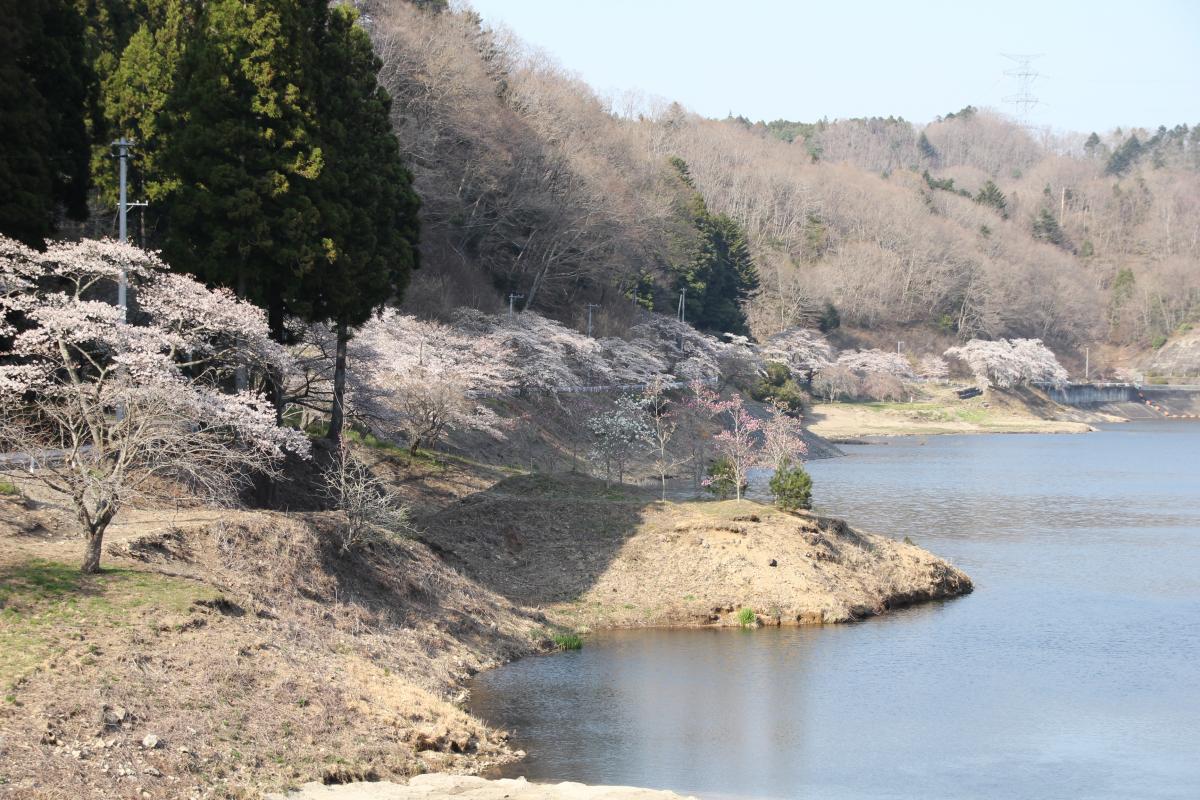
616	434
109	410
933	367
1005	363
738	441
420	380
866	362
804	350
783	439
662	421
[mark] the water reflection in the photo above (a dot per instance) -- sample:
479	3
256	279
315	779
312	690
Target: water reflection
1071	672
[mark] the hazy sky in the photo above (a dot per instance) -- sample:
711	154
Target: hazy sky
1105	63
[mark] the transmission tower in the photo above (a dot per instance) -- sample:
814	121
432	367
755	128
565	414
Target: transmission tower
1023	99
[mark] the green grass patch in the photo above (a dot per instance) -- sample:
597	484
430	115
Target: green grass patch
48	608
8	488
568	641
746	617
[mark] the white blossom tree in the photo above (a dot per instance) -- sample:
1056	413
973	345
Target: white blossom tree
617	432
662	421
933	367
1005	363
420	380
805	351
865	362
109	410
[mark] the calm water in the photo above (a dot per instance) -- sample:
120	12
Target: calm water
1073	671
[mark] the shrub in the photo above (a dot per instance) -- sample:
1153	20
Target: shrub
777	385
721	481
374	512
8	488
746	617
791	486
1158	341
882	386
568	641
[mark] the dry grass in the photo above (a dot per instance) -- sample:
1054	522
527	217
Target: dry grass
602	556
261	656
257	653
939	411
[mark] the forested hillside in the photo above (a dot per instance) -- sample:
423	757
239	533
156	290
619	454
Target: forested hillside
970	225
263	150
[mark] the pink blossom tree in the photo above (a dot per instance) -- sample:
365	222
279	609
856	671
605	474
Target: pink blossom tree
738	442
107	410
783	439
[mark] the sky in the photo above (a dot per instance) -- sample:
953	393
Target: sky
1102	64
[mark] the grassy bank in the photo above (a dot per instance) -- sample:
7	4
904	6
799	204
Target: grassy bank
939	411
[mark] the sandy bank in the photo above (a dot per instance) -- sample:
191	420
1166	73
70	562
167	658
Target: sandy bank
437	787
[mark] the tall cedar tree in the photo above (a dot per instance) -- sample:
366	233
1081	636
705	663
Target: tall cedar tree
713	264
45	84
138	64
364	197
238	138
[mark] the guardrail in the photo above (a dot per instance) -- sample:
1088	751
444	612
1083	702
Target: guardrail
599	389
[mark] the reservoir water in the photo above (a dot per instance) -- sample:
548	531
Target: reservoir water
1073	671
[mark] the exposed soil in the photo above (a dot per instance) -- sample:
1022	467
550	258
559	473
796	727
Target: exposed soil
226	653
593	556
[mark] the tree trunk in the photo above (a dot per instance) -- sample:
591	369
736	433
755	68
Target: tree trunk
91	557
275	322
95	539
337	417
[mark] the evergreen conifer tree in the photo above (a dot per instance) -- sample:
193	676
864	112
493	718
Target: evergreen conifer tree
366	206
45	83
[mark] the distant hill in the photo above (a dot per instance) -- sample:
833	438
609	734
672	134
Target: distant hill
969	226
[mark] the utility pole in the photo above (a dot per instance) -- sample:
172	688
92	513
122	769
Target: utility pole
591	306
123	146
511	299
683	304
1087	364
899	345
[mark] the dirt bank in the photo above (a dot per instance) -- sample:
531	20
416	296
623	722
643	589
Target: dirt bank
593	556
222	654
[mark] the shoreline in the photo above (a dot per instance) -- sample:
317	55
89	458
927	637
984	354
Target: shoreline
941	413
348	668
